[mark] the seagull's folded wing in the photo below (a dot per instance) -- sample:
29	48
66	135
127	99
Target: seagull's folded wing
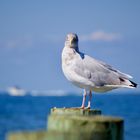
124	75
98	72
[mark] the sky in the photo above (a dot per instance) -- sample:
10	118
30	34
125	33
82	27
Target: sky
32	35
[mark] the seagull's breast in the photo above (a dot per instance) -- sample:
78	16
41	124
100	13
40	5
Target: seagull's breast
68	56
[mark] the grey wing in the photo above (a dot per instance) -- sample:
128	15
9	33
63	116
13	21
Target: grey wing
98	72
123	75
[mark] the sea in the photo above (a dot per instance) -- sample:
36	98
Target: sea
29	113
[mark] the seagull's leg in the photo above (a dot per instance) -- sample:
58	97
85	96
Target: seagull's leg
84	99
89	101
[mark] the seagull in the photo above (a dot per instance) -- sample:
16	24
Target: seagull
88	73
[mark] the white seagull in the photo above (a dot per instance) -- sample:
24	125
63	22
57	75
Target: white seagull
89	73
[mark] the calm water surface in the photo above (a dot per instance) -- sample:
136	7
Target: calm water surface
30	113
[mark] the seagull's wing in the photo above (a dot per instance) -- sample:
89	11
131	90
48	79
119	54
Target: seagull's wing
98	72
124	75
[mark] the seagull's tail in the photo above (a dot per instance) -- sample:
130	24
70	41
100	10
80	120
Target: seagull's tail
133	84
127	83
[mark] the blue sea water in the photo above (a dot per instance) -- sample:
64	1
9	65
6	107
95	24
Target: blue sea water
30	113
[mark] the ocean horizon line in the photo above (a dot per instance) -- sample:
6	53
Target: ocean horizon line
61	93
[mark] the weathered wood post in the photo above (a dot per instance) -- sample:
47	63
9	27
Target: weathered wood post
85	124
75	111
76	124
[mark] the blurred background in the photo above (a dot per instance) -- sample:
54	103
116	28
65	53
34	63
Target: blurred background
32	35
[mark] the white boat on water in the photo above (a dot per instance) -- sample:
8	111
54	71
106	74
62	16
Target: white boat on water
16	91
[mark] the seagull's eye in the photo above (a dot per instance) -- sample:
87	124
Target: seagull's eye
75	40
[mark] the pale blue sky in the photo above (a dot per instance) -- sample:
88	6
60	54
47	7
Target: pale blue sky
32	35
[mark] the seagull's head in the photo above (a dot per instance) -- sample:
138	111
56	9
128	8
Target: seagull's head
71	41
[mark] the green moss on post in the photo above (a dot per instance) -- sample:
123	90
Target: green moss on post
89	127
42	135
27	135
52	135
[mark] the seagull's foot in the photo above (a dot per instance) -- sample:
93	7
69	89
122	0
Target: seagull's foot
88	107
82	107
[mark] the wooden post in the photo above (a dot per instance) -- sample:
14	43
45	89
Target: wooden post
75	111
92	127
76	124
